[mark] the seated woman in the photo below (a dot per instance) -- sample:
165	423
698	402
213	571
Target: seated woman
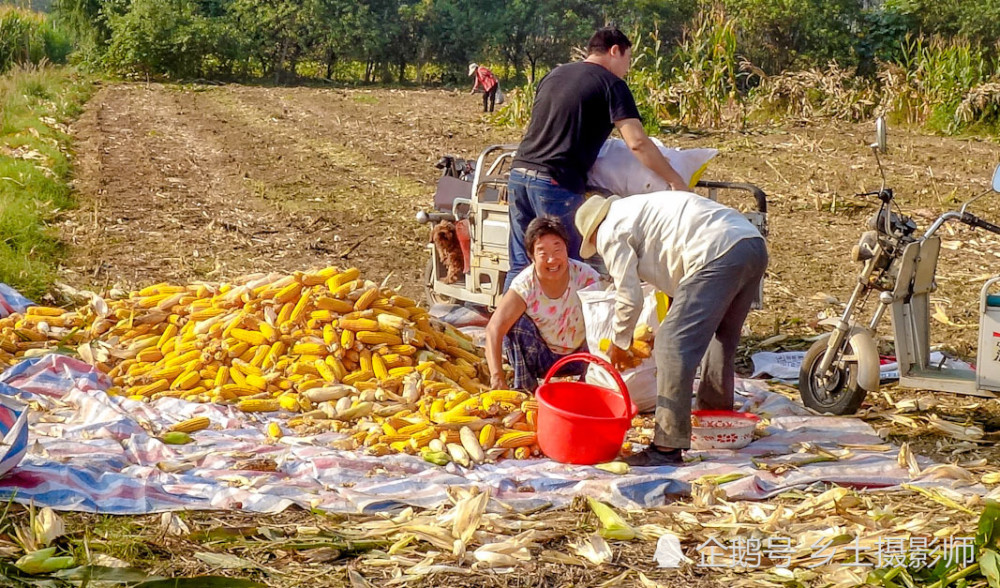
540	318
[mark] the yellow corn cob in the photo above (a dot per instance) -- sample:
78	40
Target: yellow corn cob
360	376
453	418
347	339
44	311
450	436
339	371
423	436
381	308
379	367
304	368
456	399
300	307
310	349
274	430
365	359
378	337
529	405
394	438
359	324
344	289
222	376
168	333
260	353
284	314
458	352
531	417
238	377
270	333
151	354
259	404
238	349
401	301
206	313
329	334
334	305
324	370
414	428
192	424
167	374
273	354
149	389
186	380
402	349
317	317
488	436
182	359
509	396
390	323
522	453
249	354
250	337
288	293
237	391
289	402
512	439
256	381
366	299
348	275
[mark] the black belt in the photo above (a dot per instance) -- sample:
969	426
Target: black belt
532	173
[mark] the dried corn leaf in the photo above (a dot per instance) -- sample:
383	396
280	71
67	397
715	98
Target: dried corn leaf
939	497
594	548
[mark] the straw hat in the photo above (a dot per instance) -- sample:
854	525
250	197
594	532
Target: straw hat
588	218
472	68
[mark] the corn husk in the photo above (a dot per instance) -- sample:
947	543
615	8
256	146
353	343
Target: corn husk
613	526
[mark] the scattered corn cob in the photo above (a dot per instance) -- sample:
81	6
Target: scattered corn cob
192	424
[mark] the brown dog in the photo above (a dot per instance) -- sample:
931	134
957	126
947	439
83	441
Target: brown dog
449	250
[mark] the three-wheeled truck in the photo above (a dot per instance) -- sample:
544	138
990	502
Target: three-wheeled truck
479	210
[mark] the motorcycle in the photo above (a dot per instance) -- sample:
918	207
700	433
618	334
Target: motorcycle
898	267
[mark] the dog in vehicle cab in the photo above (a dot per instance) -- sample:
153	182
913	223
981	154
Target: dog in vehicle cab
449	250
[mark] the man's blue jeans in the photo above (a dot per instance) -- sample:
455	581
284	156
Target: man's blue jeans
529	198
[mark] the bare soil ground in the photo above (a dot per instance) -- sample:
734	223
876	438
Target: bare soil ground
182	183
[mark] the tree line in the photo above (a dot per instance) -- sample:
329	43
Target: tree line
432	41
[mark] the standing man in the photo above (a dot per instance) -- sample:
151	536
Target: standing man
576	107
709	259
486	79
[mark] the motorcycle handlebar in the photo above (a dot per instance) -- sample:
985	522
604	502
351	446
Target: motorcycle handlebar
974	221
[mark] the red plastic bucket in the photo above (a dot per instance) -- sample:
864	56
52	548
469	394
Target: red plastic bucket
582	423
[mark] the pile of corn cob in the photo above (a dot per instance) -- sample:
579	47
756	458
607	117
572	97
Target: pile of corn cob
344	352
38	331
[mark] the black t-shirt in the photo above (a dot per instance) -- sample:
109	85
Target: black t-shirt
576	107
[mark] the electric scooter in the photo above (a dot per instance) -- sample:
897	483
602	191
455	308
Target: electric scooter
898	267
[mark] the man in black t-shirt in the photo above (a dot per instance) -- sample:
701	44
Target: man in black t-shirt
576	107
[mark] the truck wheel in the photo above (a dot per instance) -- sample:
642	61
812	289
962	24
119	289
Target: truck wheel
432	296
839	392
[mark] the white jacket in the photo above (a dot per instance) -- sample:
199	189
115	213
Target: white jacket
662	238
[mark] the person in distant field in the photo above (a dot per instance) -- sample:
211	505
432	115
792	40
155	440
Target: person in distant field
577	105
709	259
540	319
486	79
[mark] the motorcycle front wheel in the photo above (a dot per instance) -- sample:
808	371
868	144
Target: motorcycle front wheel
836	392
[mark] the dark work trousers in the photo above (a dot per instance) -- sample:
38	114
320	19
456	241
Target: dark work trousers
490	98
531	197
703	325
